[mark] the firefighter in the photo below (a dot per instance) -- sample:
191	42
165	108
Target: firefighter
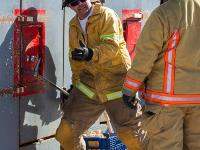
166	72
99	62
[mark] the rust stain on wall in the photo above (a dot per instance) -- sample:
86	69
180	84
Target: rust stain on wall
7	19
6	91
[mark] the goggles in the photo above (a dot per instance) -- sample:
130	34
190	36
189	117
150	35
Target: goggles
75	3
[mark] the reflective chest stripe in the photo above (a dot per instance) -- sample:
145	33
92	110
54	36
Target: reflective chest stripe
169	60
132	84
89	93
84	89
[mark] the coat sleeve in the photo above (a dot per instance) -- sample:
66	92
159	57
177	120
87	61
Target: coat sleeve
148	47
111	35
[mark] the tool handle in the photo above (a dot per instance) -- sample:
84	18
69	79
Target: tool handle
53	84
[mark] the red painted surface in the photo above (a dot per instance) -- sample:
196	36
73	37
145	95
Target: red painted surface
29	46
29	12
132	28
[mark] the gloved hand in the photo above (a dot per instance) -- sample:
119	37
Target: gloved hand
82	53
70	89
130	101
64	96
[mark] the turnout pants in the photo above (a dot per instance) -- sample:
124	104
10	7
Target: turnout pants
80	113
175	127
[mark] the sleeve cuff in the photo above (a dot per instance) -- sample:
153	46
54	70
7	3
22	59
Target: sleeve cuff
128	92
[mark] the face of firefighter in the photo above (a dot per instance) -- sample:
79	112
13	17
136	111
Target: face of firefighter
81	8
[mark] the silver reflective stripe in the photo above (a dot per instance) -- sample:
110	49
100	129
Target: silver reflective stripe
132	83
170	67
89	93
169	78
114	95
171	98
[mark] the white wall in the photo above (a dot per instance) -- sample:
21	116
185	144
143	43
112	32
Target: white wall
146	5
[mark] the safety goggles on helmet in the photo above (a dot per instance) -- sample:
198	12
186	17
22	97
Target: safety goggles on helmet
75	3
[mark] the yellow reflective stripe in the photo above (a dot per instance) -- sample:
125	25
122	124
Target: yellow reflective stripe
85	89
114	95
108	36
70	55
113	36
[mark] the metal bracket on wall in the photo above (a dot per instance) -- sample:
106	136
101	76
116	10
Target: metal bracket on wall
25	19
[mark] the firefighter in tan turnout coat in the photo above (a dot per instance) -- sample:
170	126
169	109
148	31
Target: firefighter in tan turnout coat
166	72
99	62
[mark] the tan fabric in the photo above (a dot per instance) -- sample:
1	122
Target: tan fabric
110	61
66	138
171	128
81	112
174	127
127	136
148	64
125	122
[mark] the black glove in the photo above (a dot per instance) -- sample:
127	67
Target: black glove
82	53
64	97
130	101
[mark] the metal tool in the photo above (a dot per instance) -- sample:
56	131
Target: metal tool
53	84
36	74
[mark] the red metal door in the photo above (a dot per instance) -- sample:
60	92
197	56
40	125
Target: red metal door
29	54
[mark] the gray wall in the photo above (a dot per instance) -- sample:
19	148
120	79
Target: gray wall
145	5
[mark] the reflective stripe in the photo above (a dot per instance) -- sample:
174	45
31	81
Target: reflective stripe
114	95
132	84
170	63
88	92
171	98
113	36
85	89
70	54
